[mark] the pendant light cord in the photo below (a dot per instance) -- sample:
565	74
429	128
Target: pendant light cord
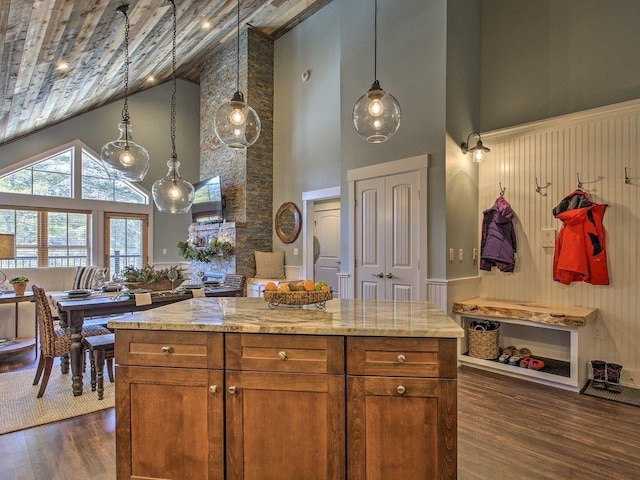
125	110
375	40
174	155
238	51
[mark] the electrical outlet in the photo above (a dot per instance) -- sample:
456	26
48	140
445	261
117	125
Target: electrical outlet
164	251
475	254
295	251
597	333
451	254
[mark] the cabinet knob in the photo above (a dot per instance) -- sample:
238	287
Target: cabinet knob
282	355
232	389
166	350
401	358
213	388
401	389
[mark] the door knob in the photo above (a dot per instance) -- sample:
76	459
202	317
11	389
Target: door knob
389	275
379	275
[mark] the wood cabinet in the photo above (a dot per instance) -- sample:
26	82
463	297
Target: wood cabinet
265	406
170	421
400	422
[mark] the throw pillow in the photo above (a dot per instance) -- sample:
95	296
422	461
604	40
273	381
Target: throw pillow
270	265
85	276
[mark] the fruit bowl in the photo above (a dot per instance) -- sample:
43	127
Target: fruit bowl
318	298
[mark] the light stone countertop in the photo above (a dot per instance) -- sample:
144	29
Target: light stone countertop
341	317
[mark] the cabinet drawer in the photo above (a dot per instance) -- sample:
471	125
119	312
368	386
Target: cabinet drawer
169	349
411	357
285	353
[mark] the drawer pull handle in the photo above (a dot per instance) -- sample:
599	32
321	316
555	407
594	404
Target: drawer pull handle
232	389
166	350
401	389
213	388
282	355
401	358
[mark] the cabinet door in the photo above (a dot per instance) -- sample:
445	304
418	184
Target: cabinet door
285	426
401	428
169	423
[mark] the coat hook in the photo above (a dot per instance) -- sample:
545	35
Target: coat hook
539	188
501	189
627	180
579	182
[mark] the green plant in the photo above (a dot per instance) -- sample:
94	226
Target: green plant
148	274
214	248
19	280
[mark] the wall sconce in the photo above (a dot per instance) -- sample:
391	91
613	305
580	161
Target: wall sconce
479	151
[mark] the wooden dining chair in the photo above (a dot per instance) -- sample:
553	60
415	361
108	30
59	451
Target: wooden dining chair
55	340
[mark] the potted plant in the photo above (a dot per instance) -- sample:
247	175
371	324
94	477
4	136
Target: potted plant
19	284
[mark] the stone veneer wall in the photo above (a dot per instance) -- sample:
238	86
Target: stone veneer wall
246	176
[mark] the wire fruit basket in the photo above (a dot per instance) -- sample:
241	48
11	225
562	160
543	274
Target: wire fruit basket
276	299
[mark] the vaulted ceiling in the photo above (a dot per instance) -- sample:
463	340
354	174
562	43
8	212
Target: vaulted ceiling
88	35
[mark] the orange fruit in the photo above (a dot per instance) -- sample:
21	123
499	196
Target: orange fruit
284	288
325	288
270	287
309	286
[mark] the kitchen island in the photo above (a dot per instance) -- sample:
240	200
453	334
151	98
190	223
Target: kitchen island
229	389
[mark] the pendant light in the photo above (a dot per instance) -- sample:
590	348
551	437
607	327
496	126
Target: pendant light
172	193
236	124
124	159
376	114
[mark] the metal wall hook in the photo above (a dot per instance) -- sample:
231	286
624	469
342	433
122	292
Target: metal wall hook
539	188
579	182
502	190
627	180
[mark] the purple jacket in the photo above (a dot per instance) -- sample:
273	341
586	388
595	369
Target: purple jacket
498	246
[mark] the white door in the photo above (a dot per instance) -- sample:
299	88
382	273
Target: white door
387	237
326	244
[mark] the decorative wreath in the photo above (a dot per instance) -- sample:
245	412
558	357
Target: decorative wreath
214	248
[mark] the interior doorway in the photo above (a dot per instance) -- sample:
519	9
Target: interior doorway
326	243
325	199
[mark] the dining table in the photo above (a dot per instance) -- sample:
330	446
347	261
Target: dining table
73	311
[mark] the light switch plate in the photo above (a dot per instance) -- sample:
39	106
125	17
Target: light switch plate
548	237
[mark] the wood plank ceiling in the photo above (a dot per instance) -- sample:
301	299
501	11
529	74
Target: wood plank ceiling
38	35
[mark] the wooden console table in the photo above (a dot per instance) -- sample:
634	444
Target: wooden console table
15	345
560	335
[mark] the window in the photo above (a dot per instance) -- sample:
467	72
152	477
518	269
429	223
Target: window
50	177
55	204
47	238
96	184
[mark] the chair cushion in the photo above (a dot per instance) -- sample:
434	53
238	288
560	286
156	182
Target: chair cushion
269	265
85	276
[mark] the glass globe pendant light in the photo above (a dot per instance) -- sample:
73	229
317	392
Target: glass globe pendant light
172	193
236	123
124	159
376	114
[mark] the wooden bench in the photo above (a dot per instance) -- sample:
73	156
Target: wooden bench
101	348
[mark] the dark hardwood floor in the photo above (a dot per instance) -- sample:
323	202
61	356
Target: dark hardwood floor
507	429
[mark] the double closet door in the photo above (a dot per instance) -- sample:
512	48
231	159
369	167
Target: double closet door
387	237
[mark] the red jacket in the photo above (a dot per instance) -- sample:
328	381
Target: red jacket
580	254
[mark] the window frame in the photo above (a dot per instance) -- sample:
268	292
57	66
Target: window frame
76	203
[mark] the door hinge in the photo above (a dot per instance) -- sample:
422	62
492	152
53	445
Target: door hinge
419	195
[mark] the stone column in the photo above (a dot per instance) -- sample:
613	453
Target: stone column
246	176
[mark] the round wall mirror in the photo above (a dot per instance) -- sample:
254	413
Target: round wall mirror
287	222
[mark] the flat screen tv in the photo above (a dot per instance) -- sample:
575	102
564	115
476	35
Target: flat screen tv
208	202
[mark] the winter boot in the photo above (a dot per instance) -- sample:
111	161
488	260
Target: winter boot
613	377
599	374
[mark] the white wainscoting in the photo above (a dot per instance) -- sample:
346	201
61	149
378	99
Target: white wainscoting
445	293
597	144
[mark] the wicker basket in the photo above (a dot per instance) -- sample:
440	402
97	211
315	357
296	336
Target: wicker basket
296	298
483	343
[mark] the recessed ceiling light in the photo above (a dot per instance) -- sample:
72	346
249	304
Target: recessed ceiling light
151	79
39	119
206	25
62	66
